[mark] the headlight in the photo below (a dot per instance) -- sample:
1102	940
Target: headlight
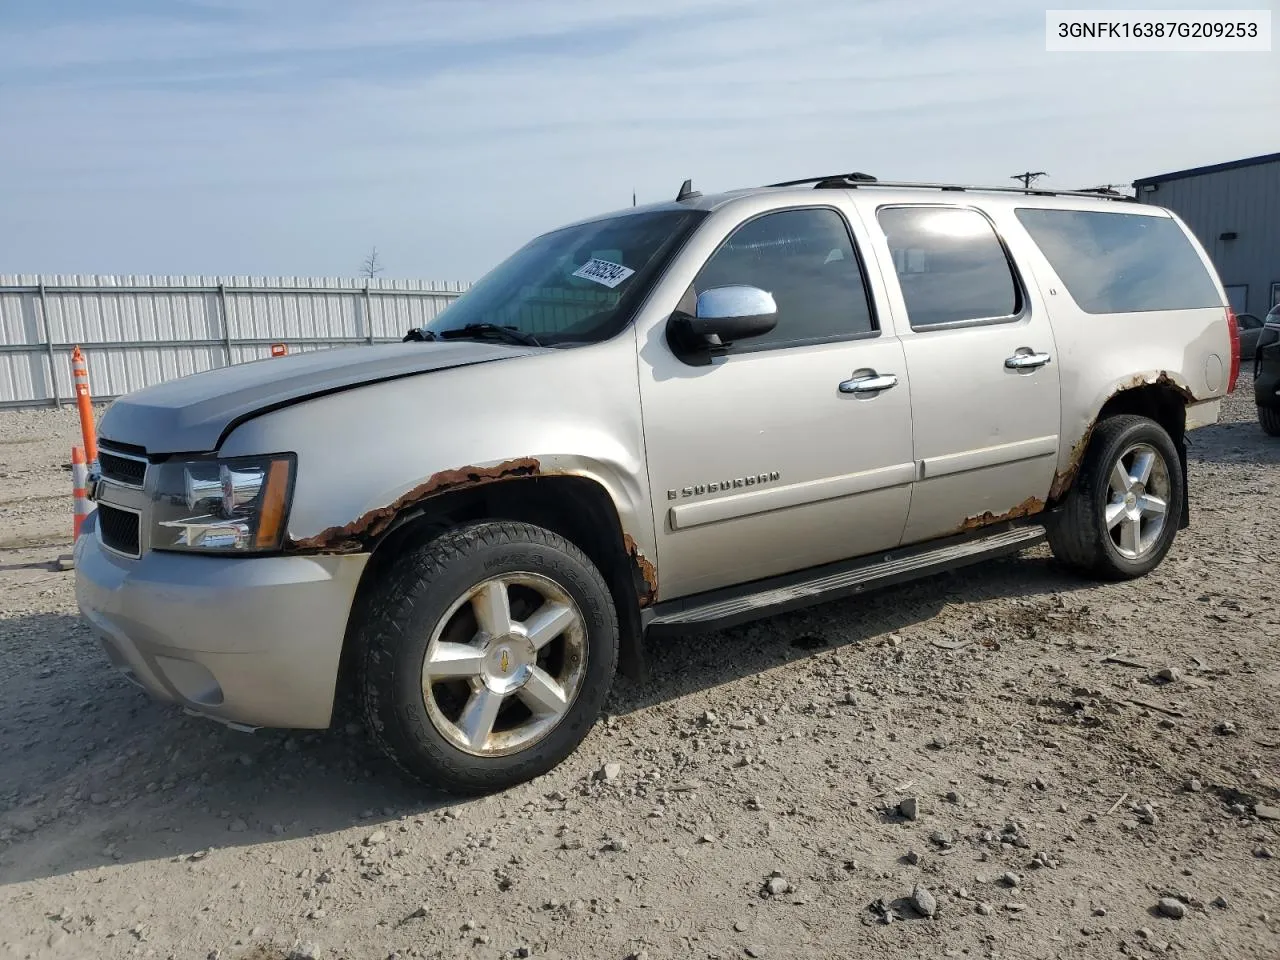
222	506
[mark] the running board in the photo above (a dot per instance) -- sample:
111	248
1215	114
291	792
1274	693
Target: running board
763	598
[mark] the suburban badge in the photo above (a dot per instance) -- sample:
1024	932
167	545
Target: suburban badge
720	486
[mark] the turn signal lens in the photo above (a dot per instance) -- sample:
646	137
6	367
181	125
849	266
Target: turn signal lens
274	501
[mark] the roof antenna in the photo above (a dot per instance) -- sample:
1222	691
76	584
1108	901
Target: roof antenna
687	192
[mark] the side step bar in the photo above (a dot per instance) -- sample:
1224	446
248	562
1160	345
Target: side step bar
727	607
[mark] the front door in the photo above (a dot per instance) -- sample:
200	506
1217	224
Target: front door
759	462
984	376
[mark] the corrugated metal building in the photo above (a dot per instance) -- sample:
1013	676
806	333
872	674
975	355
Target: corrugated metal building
1234	209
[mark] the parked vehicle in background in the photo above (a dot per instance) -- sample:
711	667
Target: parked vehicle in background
1266	373
675	417
1249	327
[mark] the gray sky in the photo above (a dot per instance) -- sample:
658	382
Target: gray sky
289	136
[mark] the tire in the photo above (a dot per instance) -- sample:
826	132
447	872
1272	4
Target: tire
1269	418
430	673
1079	533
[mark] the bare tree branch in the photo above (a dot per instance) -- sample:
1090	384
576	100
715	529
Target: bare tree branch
372	266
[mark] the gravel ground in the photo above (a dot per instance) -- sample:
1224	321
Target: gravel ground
999	762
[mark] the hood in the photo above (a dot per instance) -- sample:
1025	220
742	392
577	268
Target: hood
192	414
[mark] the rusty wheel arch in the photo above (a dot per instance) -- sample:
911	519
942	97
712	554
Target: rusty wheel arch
578	508
1160	398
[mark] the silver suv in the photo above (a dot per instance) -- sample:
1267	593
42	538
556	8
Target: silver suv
678	416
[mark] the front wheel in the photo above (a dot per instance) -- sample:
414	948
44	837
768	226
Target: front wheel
487	656
1121	515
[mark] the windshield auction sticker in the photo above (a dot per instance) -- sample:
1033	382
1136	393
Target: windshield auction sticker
603	272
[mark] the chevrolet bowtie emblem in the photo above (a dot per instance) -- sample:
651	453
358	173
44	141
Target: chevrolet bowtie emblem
504	661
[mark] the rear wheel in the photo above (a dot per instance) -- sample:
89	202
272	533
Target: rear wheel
1121	515
1269	417
488	656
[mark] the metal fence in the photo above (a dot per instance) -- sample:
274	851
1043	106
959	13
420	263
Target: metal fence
140	330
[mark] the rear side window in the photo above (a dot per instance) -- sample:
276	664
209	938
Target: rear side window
950	264
1122	262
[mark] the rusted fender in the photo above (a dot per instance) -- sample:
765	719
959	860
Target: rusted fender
648	573
1065	476
353	537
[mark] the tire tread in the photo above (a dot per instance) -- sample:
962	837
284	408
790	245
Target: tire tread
381	635
1075	528
1269	418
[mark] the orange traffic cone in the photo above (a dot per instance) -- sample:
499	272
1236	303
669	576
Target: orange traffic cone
79	489
80	376
81	508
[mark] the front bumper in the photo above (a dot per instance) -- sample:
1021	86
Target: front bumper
246	640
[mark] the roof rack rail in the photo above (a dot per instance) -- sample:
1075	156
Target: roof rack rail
860	177
850	181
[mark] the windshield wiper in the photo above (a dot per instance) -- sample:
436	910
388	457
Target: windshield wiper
420	335
479	331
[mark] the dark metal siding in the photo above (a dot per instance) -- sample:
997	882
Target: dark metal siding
1241	200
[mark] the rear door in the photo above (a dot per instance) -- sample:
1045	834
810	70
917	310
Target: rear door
982	361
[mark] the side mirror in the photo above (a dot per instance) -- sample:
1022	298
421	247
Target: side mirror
725	314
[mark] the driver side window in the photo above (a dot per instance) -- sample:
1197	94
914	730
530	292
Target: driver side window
806	259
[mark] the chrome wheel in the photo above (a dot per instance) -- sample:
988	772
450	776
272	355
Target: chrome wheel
504	664
1138	492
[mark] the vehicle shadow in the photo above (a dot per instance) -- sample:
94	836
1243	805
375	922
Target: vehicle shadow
1233	442
1238	437
685	664
95	773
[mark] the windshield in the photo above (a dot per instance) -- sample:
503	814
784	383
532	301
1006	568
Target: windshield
578	284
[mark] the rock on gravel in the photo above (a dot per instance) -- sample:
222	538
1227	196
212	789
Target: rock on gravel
1171	907
306	950
777	885
924	901
910	808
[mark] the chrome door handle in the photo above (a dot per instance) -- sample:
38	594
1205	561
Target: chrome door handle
1026	361
872	384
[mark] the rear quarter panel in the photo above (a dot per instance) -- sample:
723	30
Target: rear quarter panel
1099	355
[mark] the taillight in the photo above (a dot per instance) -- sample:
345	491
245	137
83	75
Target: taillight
1233	329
